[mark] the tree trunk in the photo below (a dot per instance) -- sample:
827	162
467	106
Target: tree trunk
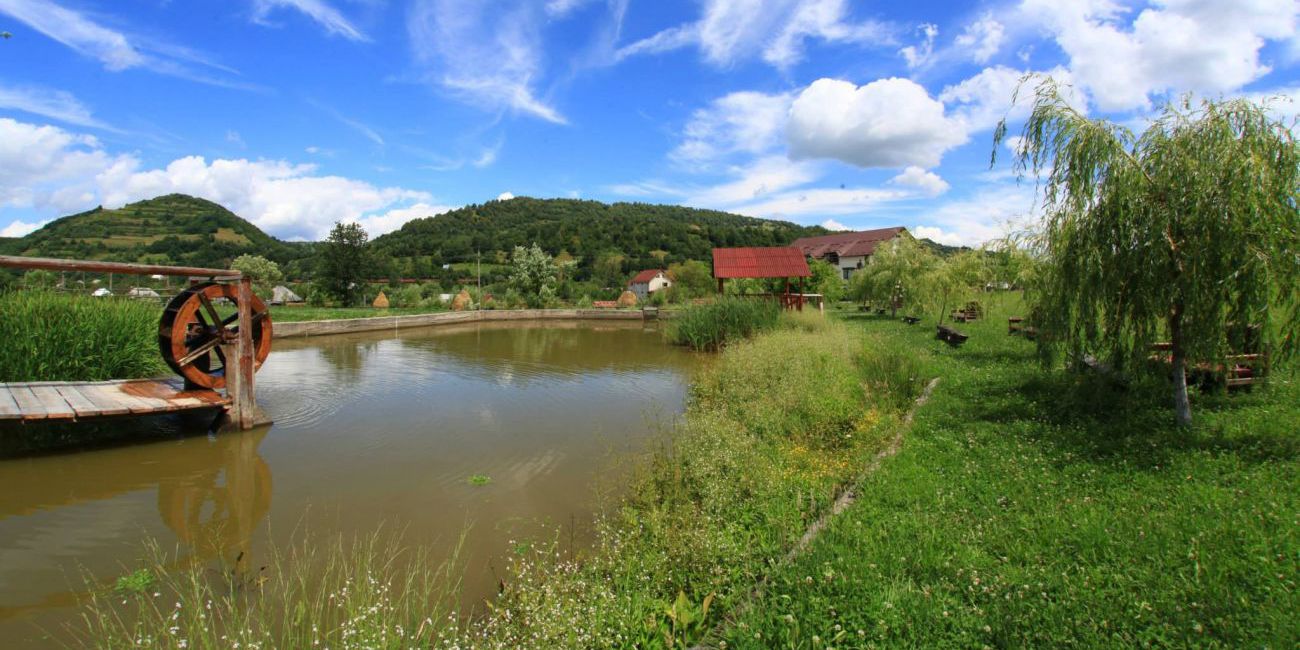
1182	407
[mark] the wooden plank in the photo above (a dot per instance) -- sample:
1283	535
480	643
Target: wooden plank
55	406
104	403
28	403
52	264
112	394
8	407
81	405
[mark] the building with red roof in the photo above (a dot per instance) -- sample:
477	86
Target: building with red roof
773	262
647	282
847	251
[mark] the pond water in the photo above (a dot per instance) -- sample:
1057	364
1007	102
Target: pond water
371	430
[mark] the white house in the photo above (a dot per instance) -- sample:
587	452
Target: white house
648	282
102	292
142	292
847	251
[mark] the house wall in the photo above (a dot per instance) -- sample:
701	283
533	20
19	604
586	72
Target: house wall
644	289
850	264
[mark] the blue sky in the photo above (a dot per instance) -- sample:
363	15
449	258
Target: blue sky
299	113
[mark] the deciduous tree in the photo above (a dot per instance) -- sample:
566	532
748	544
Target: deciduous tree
341	263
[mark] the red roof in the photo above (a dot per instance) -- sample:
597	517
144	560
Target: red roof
645	277
782	262
846	244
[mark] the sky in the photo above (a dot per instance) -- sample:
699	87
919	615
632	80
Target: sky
296	114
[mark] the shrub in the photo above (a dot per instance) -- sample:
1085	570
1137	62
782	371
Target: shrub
408	296
46	336
713	325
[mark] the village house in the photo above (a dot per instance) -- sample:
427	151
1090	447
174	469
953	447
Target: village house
648	282
847	251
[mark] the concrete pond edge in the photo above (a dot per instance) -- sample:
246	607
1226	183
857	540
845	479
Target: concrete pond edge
295	329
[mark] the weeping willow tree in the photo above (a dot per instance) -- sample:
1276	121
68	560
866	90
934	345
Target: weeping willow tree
1189	231
897	274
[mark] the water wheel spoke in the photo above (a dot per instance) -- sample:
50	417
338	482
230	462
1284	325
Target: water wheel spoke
212	311
221	354
199	351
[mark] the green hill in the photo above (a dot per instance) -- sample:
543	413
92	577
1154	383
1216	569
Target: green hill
171	229
642	235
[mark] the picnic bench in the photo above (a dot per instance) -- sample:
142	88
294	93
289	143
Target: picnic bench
950	336
1015	324
1236	370
911	320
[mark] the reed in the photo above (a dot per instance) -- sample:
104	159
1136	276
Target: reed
711	326
48	336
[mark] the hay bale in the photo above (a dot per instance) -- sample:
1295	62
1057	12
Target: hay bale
627	299
461	301
381	301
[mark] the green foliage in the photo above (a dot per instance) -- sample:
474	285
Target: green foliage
826	280
1029	508
898	274
264	273
533	275
39	279
712	325
479	479
135	583
691	279
341	263
1189	231
46	336
954	281
408	296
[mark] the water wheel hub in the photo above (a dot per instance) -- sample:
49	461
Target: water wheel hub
198	321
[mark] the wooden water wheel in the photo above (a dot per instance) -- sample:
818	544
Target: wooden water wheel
192	332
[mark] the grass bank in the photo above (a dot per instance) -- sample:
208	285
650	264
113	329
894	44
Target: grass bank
294	314
712	325
775	428
48	336
1038	509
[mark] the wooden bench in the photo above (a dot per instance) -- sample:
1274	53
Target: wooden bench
911	320
1015	324
1236	371
950	336
1030	332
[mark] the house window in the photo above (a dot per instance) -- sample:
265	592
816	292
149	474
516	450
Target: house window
847	272
833	258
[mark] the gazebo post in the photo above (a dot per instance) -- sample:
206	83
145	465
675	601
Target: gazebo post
719	286
799	305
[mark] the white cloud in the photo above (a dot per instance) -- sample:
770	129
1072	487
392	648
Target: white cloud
730	31
320	11
817	202
982	39
831	224
48	169
21	228
928	182
54	104
886	123
761	178
984	99
379	224
486	53
114	49
989	214
1173	45
918	55
741	122
562	8
505	196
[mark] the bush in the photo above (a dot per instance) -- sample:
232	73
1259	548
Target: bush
407	296
46	336
713	325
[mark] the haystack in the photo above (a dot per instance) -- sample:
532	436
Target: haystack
461	301
627	299
381	301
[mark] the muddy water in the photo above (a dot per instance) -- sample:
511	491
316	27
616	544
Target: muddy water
371	430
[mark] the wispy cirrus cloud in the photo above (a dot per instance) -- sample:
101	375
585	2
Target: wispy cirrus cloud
324	14
116	50
51	103
487	53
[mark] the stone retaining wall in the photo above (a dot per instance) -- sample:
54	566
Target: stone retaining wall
345	326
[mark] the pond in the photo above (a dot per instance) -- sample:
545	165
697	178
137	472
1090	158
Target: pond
376	430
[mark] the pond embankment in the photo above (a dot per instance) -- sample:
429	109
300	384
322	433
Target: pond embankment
351	325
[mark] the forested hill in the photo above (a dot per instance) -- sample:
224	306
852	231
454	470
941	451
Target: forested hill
171	229
645	235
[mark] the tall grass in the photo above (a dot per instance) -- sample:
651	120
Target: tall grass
47	336
371	592
712	325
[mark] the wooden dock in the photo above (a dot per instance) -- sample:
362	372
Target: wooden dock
76	401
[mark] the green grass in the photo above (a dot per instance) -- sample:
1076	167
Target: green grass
283	314
1032	508
712	325
47	336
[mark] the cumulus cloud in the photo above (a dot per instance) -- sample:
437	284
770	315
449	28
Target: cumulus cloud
505	196
988	214
919	55
886	123
325	15
831	224
982	100
928	182
740	122
982	39
486	53
48	169
730	31
1173	45
21	228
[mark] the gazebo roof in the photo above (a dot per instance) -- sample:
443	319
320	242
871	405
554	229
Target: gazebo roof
775	262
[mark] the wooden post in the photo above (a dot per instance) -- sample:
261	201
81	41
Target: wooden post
244	393
719	286
800	303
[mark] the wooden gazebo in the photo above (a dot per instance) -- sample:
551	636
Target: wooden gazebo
772	262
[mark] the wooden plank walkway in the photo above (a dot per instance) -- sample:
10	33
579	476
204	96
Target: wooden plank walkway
55	400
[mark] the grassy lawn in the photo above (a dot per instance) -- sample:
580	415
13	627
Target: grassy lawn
280	314
1039	509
